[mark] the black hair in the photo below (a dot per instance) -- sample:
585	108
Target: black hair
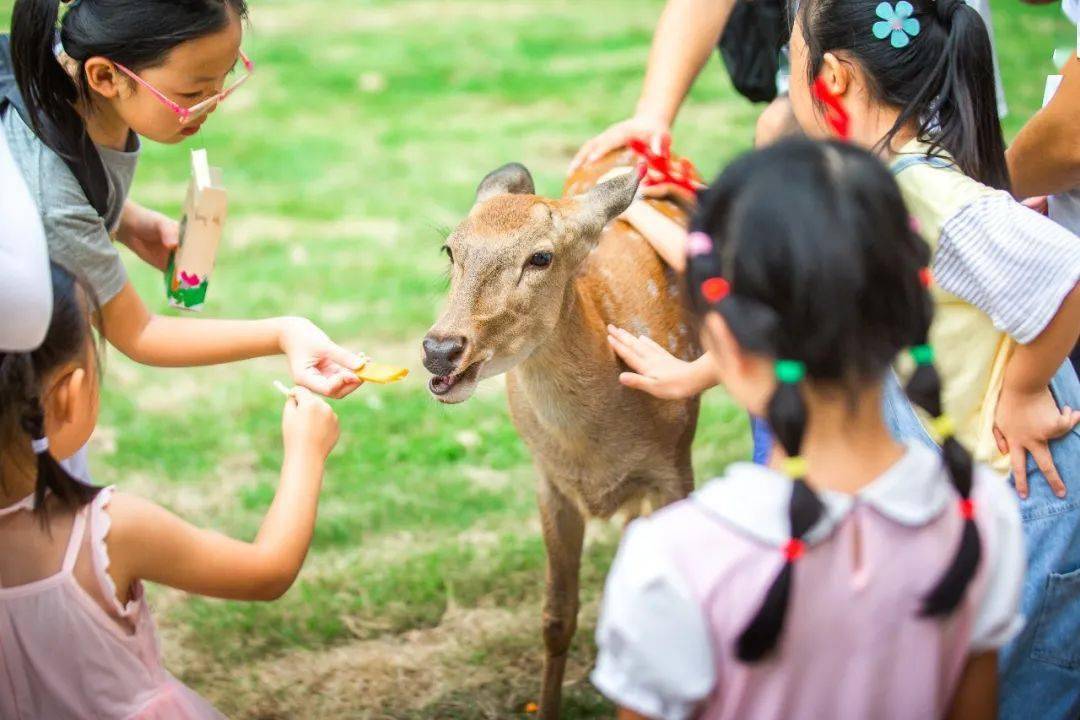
138	34
826	277
943	79
22	413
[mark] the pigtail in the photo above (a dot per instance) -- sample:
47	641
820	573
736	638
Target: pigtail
22	415
50	93
787	416
967	122
51	476
924	389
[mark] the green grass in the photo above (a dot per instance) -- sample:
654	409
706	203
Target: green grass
360	139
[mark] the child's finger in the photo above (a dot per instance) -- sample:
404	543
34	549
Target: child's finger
625	353
624	343
638	382
1018	461
653	345
1045	461
1002	444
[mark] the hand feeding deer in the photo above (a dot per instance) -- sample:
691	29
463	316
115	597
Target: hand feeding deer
534	284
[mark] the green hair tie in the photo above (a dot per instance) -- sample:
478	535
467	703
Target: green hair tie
923	354
790	372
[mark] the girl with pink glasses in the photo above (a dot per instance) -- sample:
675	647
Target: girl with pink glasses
96	77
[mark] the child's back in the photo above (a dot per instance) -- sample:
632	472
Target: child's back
854	644
70	649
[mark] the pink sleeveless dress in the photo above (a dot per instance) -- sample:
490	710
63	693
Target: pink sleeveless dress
68	648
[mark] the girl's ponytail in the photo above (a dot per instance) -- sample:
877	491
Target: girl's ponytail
50	93
51	475
787	417
967	122
924	389
939	73
22	415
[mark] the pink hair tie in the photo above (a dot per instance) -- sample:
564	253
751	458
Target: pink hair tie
698	243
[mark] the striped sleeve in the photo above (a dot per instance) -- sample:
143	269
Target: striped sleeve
1012	263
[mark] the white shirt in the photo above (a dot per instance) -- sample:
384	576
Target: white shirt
656	647
26	287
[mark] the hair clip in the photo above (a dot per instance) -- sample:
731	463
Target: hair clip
790	372
698	243
896	23
926	277
715	289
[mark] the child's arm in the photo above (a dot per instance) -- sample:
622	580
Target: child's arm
658	372
147	542
666	237
685	36
1027	416
315	361
976	695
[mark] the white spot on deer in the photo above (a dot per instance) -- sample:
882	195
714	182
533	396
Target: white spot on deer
672	343
651	288
683	330
638	327
673	289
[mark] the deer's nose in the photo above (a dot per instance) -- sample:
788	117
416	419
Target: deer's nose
442	354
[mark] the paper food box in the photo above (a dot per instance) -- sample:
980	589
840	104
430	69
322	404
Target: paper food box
188	274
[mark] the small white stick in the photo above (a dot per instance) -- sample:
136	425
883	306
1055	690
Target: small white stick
282	389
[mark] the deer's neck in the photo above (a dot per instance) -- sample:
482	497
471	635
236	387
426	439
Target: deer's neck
567	378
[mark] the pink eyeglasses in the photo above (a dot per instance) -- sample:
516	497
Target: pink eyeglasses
200	109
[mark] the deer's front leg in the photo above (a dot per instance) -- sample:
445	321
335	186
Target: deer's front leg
564	529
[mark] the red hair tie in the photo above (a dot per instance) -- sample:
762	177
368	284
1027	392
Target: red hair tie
967	508
835	114
794	549
926	277
715	289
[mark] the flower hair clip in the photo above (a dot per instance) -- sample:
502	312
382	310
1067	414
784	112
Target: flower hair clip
896	23
715	289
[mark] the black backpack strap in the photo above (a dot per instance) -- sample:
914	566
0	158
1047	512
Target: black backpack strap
82	158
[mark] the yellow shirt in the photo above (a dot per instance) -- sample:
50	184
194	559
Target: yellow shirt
971	353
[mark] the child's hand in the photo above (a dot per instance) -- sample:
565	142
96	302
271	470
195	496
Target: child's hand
656	371
149	234
316	362
1025	423
309	424
641	127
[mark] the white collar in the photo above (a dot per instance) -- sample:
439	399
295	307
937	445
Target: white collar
754	498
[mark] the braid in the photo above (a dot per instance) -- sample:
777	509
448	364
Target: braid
787	416
924	389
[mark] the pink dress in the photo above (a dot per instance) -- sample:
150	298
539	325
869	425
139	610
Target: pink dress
68	648
688	579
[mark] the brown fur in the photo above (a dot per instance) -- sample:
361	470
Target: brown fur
599	448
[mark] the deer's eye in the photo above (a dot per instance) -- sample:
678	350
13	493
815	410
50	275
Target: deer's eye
449	253
540	259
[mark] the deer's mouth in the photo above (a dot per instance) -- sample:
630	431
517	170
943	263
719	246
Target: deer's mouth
457	387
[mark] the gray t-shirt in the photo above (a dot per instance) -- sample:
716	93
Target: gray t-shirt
78	238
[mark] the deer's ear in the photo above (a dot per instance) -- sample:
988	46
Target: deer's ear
510	179
605	202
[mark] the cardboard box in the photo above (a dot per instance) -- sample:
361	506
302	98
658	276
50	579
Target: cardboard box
188	274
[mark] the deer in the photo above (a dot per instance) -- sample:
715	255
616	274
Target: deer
534	284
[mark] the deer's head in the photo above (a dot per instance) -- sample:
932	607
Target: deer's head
514	259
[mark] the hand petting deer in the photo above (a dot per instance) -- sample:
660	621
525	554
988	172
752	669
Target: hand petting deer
535	283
